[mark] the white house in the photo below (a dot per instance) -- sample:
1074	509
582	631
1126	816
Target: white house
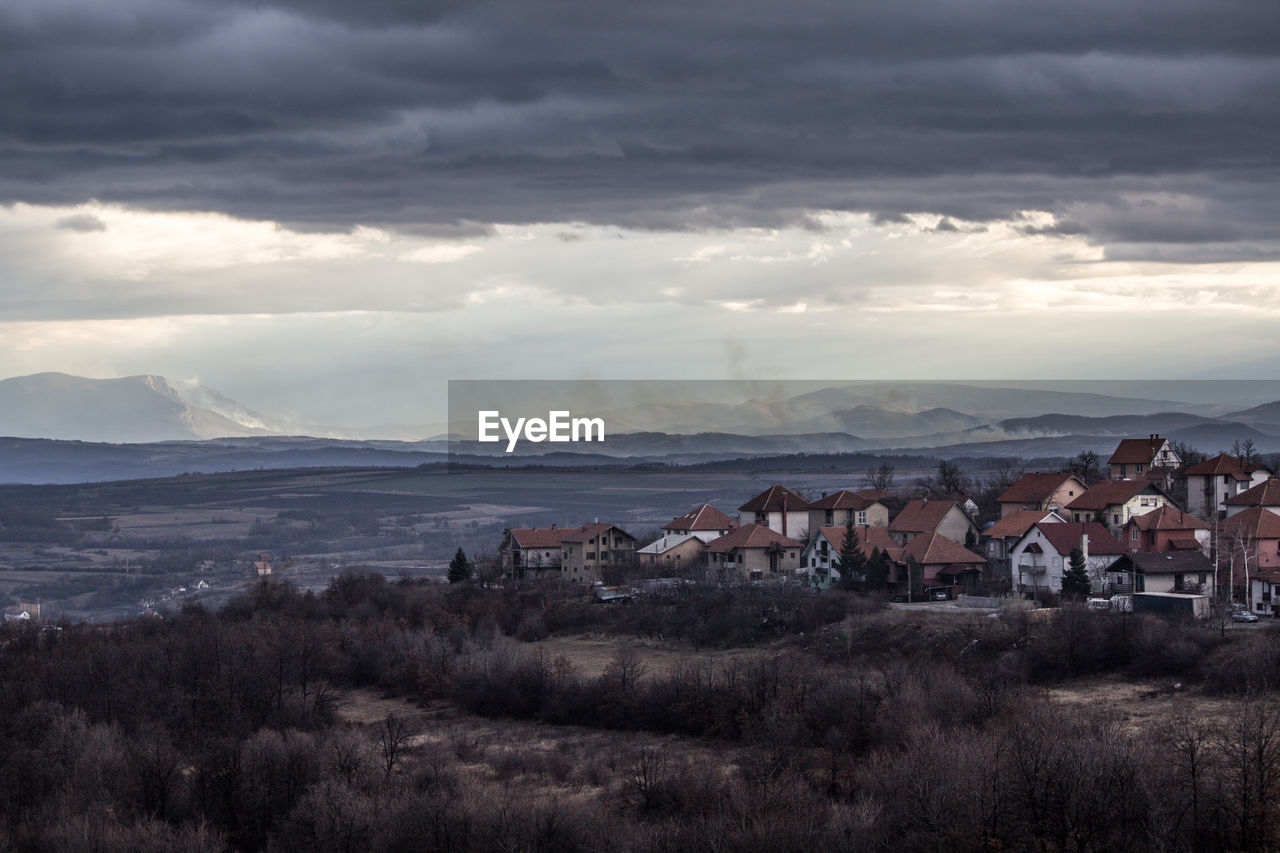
1040	557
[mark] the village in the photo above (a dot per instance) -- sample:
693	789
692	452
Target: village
1188	536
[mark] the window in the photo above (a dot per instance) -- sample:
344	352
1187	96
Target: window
1139	469
1115	518
830	517
1133	534
862	516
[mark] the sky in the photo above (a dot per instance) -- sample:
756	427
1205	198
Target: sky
325	210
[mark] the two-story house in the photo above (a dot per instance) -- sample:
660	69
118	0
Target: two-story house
1114	502
531	549
1047	492
703	521
1166	529
836	509
1136	458
753	552
999	538
779	509
821	556
587	550
932	516
1039	559
1211	483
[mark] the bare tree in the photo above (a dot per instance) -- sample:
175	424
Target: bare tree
1246	451
880	478
393	733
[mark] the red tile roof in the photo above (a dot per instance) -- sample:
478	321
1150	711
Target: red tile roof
881	495
1171	562
1256	522
702	517
1034	488
869	538
1167	518
1137	451
1015	523
1065	536
1224	464
539	537
1110	493
775	499
921	516
590	531
843	499
1266	493
935	549
751	536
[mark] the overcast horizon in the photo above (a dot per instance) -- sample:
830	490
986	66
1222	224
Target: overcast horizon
325	210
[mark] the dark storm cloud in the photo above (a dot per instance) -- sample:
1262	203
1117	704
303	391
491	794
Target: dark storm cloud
1142	123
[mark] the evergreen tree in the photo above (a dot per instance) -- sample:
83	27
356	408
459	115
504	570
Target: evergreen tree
1075	580
459	567
853	563
877	570
915	580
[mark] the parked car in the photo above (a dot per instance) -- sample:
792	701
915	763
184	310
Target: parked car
1243	616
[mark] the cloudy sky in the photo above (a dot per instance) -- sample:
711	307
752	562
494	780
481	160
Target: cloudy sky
326	209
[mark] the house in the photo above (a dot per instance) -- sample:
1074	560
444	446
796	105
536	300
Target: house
1162	571
779	509
932	516
1039	558
945	565
1001	536
1166	529
1264	593
1114	502
753	552
1048	492
1135	458
836	509
1248	543
262	566
534	549
821	556
586	551
703	521
675	550
1266	495
1213	482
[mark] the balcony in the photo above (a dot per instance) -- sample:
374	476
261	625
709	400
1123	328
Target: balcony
1032	568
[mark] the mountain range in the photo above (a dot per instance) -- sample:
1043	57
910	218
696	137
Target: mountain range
180	426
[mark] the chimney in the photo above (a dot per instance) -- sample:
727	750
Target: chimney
1084	544
553	525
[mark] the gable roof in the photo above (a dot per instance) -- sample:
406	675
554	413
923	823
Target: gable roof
1107	493
775	499
663	544
539	537
843	499
1064	536
869	538
590	531
1255	522
934	549
882	495
921	516
1019	522
1170	561
702	517
1266	493
1167	517
1034	488
1224	464
751	536
1137	451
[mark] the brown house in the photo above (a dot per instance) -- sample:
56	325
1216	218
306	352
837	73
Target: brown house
1136	457
703	521
931	516
945	564
753	552
1165	529
1048	492
1114	502
836	509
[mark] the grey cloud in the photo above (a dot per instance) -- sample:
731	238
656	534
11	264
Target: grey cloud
81	222
664	115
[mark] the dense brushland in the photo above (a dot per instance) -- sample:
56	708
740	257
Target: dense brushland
383	715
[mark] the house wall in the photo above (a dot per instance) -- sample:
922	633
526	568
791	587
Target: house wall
876	515
796	524
1117	515
1220	491
687	552
582	561
1063	495
748	561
